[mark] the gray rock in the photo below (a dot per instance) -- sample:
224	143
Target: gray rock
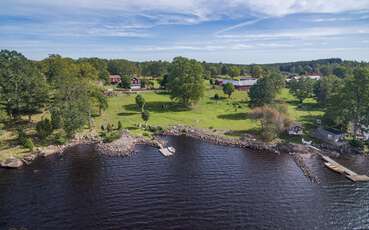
12	163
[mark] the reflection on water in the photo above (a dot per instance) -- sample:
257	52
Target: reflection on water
202	186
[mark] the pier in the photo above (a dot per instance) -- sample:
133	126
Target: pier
337	167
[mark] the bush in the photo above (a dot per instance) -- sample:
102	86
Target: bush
60	139
102	127
155	129
109	127
120	125
21	136
28	144
216	96
356	143
111	136
44	129
56	121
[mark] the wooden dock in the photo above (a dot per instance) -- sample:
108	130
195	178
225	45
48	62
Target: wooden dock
337	167
165	152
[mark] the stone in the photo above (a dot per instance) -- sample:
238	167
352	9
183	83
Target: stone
12	163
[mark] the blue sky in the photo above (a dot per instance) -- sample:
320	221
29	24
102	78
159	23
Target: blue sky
233	31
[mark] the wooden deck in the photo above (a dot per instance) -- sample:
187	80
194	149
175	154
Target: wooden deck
335	166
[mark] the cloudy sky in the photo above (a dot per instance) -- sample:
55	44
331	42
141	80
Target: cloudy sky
233	31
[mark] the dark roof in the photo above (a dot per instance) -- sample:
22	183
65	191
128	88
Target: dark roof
334	131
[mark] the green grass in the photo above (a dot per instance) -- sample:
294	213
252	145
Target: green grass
217	116
220	115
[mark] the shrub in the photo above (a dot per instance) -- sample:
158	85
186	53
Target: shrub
56	121
356	143
28	144
109	127
111	136
44	129
120	125
21	136
102	127
60	139
216	96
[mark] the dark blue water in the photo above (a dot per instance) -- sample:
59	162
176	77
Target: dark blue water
202	186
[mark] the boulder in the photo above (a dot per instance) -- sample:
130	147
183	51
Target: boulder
29	158
11	163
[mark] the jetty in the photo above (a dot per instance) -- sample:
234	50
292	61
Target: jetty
166	151
337	167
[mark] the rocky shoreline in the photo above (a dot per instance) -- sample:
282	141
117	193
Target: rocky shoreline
294	150
125	145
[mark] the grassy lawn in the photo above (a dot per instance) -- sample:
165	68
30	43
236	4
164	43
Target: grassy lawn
219	116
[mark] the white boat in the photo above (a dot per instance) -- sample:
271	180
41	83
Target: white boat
171	149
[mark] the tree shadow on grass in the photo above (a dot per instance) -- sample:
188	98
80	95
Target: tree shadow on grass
160	107
126	114
309	121
239	133
234	116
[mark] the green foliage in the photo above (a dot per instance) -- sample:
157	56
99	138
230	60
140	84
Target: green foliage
263	92
325	88
228	89
21	136
23	89
145	115
126	82
120	127
302	88
186	80
164	81
28	144
257	71
234	71
341	71
56	119
140	102
44	129
216	96
60	139
351	102
109	137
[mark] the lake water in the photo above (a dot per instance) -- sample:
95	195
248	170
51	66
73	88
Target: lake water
203	186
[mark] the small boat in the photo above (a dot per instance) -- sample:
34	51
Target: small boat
171	149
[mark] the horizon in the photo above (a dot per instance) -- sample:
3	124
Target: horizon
234	32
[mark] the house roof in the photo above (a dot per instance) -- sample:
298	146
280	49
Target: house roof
334	131
242	82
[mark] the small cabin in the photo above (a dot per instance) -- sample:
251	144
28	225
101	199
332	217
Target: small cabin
331	136
295	130
115	79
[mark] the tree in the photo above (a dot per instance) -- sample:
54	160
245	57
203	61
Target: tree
164	81
257	71
263	92
341	71
23	89
228	89
278	81
186	81
273	121
302	88
145	115
126	82
140	102
234	71
351	103
44	129
325	88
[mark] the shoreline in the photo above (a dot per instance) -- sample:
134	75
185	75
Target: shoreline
125	145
